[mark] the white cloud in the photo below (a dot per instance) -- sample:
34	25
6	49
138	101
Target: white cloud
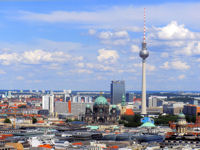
165	65
53	66
114	38
112	35
135	49
120	16
174	31
182	76
90	65
105	35
176	64
104	68
37	57
20	78
107	56
191	48
149	67
180	65
121	34
81	65
81	71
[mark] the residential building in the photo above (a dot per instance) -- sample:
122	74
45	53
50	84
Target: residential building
156	101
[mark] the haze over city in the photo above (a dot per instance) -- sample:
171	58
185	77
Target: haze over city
84	44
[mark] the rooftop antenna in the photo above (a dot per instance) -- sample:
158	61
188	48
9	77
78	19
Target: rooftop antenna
144	26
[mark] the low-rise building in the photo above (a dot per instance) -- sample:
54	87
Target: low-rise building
173	108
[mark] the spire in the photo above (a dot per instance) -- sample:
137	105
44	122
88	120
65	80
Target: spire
144	38
123	103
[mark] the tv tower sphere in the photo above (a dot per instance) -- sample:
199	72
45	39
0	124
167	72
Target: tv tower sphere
144	53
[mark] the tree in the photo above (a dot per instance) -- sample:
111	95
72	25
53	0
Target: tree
164	120
7	120
190	118
34	120
68	120
22	106
131	121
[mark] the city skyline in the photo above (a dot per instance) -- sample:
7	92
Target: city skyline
84	45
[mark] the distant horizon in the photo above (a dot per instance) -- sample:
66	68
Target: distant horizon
148	91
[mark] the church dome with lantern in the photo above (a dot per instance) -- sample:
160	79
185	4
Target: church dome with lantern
100	101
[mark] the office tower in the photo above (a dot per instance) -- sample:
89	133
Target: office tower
129	97
45	102
48	103
117	91
144	54
51	104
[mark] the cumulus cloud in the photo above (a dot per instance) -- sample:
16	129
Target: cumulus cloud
135	49
112	35
191	48
81	71
179	65
176	64
121	34
149	67
80	65
174	31
114	38
107	56
165	65
36	57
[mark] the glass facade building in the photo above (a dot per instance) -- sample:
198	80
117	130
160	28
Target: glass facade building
117	91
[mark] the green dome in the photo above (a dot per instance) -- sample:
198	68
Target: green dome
181	116
88	106
147	125
101	101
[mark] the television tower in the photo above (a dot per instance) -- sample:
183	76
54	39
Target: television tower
144	54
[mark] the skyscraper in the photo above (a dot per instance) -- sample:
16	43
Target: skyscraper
117	91
48	103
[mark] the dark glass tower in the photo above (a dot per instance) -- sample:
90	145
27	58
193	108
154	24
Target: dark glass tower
117	91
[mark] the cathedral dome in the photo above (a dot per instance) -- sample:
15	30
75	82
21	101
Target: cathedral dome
100	101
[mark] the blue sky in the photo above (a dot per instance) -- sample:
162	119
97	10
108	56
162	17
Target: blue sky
84	44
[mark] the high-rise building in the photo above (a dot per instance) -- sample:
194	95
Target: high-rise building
129	97
45	102
48	103
117	91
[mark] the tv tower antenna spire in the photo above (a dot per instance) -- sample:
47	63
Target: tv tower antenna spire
144	38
